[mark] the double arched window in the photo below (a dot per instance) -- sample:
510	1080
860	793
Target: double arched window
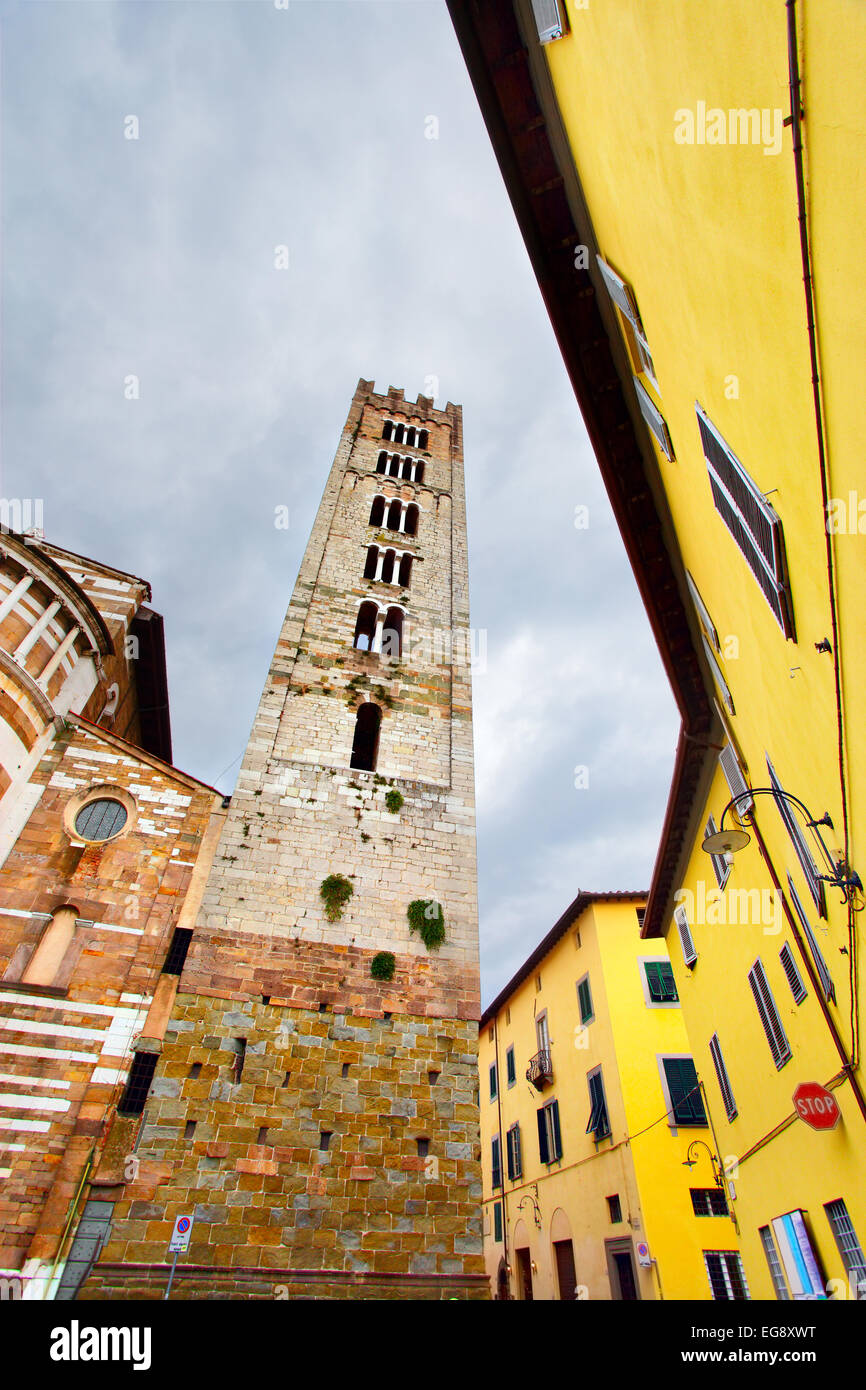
379	630
405	434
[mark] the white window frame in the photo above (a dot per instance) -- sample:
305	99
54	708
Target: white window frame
651	1003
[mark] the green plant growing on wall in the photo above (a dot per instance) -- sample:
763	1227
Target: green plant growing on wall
335	891
428	920
382	966
393	800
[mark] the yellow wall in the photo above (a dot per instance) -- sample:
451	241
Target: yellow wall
707	237
643	1160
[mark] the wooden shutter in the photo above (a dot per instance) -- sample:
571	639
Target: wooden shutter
792	974
553	1107
737	784
585	1000
496	1163
722	1077
798	840
565	1271
543	1150
654	419
769	1014
754	525
497	1221
685	1094
690	955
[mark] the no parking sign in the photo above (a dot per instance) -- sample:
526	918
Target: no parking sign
180	1236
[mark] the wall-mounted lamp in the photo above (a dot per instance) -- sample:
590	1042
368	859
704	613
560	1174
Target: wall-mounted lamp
532	1198
735	838
718	1171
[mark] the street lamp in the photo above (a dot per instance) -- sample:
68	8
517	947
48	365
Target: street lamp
735	838
689	1162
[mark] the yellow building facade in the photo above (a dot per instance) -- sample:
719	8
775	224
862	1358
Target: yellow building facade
688	179
601	1174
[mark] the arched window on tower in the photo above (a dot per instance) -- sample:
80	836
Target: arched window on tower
405	571
377	511
412	520
392	634
422	439
365	627
387	429
410	436
372	562
395	512
388	567
382	462
407	468
394	470
419	471
398	434
365	745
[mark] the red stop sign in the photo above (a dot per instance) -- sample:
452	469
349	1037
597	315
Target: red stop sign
816	1105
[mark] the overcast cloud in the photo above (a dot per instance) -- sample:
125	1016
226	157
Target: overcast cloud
307	127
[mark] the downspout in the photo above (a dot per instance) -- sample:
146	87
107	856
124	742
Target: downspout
794	119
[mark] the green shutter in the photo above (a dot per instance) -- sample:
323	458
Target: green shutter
497	1221
510	1068
542	1138
493	1082
585	1000
557	1136
496	1163
686	1101
660	979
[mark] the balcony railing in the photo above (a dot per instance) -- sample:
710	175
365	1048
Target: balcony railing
540	1070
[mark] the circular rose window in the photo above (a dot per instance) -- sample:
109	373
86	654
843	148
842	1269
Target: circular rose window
101	820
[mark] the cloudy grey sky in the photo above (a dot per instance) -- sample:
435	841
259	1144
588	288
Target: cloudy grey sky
307	127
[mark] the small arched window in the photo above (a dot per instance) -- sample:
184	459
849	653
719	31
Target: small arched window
365	745
407	468
394	470
365	627
405	571
382	462
395	512
372	562
392	634
422	439
388	567
410	436
377	511
387	429
419	471
412	520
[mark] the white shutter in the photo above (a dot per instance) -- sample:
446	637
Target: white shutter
798	840
654	419
820	964
703	613
737	784
548	20
722	1077
769	1015
690	955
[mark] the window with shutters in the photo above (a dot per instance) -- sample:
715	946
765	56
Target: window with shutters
721	867
630	321
493	1082
769	1015
754	525
496	1162
777	1274
827	986
722	1077
849	1247
513	1155
735	778
683	1093
711	644
792	974
690	955
584	1000
510	1067
599	1123
497	1222
659	984
798	840
549	1134
725	1273
654	418
708	1201
550	20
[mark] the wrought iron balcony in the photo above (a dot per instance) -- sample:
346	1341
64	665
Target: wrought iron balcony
540	1070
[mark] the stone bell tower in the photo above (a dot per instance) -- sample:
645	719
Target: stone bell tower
314	1103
